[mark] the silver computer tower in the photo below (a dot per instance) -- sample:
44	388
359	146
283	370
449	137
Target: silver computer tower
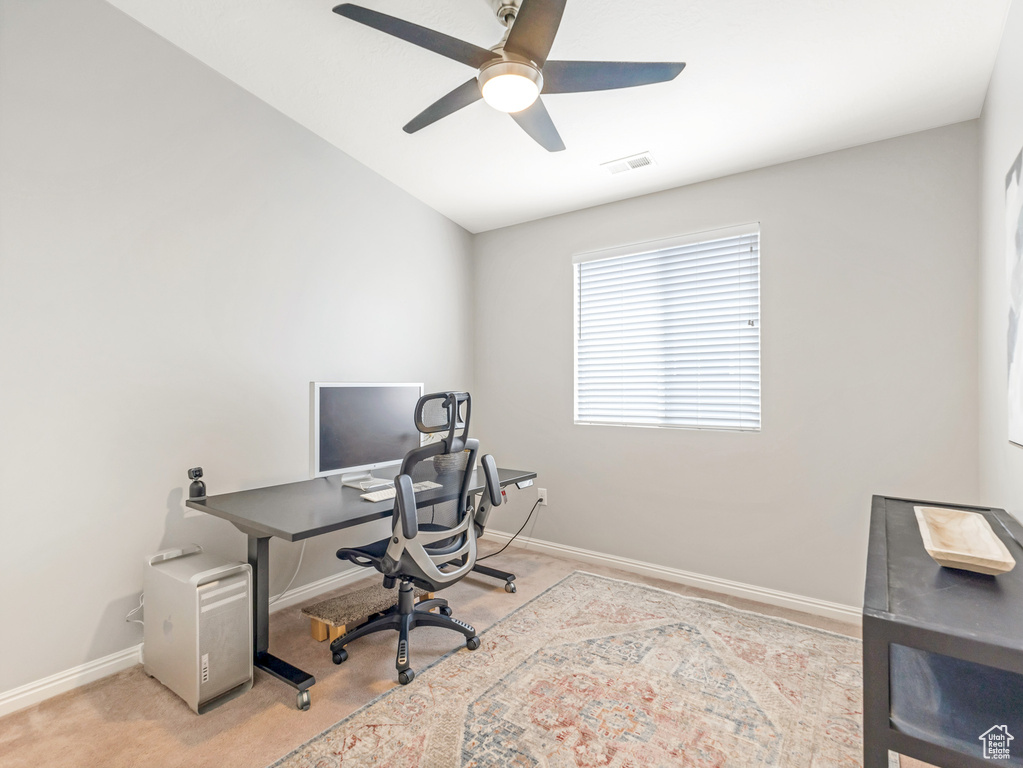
198	626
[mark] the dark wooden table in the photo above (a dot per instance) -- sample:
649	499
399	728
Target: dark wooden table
297	511
942	648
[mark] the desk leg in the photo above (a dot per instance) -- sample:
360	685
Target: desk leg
259	559
876	693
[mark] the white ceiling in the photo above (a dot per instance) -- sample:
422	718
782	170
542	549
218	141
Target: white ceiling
765	82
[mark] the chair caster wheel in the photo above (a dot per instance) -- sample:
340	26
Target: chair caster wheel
340	656
406	676
472	643
304	700
445	609
509	586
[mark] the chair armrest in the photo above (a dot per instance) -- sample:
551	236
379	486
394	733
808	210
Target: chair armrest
493	485
491	496
405	506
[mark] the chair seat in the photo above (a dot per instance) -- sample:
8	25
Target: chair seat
377	549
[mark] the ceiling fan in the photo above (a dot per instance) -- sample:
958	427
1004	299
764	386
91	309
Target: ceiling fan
511	75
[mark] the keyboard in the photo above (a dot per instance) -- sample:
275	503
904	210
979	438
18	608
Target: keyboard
388	493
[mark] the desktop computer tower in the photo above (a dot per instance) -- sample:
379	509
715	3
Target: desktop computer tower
198	626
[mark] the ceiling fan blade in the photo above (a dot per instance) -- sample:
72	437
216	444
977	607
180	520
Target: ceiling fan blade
536	121
445	45
462	96
580	76
536	24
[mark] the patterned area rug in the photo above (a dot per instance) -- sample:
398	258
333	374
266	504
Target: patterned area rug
601	672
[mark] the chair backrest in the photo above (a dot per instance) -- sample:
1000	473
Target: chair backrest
449	461
445	412
433	528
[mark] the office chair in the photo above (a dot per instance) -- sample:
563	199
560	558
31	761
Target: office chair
433	538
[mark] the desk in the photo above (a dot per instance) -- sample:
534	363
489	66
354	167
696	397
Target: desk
297	511
942	648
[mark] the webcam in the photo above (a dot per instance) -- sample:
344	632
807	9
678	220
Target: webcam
197	490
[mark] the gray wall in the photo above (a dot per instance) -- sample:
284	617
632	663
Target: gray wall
868	264
177	262
1001	137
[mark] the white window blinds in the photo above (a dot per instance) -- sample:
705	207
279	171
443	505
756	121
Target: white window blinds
668	334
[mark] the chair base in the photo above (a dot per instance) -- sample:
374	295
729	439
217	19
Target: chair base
404	617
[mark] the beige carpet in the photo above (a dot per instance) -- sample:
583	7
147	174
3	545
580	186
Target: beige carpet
604	672
129	719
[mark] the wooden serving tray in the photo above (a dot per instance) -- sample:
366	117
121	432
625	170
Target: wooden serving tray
959	539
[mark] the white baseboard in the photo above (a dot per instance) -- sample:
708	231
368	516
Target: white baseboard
40	690
847	613
32	693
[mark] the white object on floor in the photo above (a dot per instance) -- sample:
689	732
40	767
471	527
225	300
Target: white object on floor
198	629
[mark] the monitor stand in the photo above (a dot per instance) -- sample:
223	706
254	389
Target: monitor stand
364	481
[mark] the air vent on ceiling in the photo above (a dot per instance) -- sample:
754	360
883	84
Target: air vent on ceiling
632	163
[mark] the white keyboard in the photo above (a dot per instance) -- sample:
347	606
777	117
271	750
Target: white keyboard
388	493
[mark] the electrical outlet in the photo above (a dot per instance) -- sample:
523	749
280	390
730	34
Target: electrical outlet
541	493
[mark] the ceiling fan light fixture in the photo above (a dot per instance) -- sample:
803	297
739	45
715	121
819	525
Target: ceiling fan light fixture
510	86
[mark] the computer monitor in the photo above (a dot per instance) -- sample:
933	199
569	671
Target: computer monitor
357	428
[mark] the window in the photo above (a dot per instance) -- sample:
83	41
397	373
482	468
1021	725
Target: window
668	333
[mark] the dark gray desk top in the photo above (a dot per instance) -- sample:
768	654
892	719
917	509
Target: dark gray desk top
905	585
296	511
